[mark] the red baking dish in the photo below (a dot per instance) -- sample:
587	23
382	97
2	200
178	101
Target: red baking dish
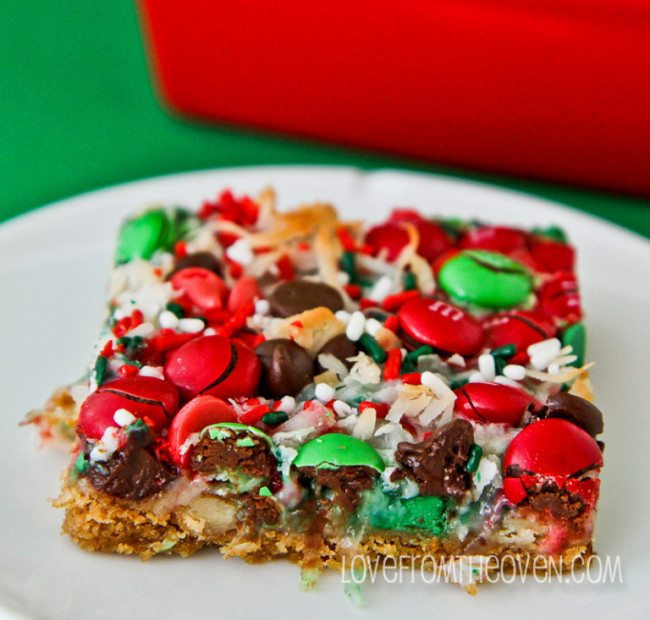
557	89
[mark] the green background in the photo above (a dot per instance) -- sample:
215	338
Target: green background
77	112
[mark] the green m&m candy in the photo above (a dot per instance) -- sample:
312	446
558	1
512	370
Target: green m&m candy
335	450
141	236
486	279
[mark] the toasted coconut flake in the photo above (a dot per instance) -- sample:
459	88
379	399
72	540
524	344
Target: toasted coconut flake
365	371
311	329
365	426
333	363
568	373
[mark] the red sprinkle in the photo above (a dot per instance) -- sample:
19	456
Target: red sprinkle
346	240
365	302
396	301
180	249
392	323
107	351
353	290
380	408
137	318
127	370
393	363
285	267
412	378
254	415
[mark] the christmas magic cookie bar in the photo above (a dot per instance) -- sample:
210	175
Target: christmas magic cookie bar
294	385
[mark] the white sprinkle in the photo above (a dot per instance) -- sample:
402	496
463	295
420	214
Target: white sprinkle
106	446
342	409
476	377
342	278
434	383
506	381
190	326
287	404
373	326
457	360
168	320
324	392
342	316
381	288
542	353
209	331
553	368
241	252
123	417
486	366
355	327
145	330
514	371
262	306
151	371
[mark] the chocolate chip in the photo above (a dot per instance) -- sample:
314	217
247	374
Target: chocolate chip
296	296
341	347
438	463
197	259
577	410
286	367
132	472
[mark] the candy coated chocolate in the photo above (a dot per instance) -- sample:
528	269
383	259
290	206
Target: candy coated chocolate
493	403
238	428
551	256
392	237
441	325
486	279
577	410
205	289
244	291
144	397
494	238
141	236
338	450
559	297
296	296
520	328
286	367
553	447
213	365
193	418
341	347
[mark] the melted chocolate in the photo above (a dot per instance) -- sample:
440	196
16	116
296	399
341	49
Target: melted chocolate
438	463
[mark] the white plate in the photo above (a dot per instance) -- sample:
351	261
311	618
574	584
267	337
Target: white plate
52	277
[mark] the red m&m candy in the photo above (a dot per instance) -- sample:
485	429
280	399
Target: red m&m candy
193	418
492	402
549	449
244	291
560	298
520	328
392	236
213	365
441	325
551	256
204	288
144	397
494	238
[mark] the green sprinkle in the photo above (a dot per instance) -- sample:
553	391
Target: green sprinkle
475	454
265	492
349	265
576	336
453	226
176	309
245	442
507	350
101	364
499	365
138	425
372	348
80	466
274	418
410	282
458	383
552	232
416	353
